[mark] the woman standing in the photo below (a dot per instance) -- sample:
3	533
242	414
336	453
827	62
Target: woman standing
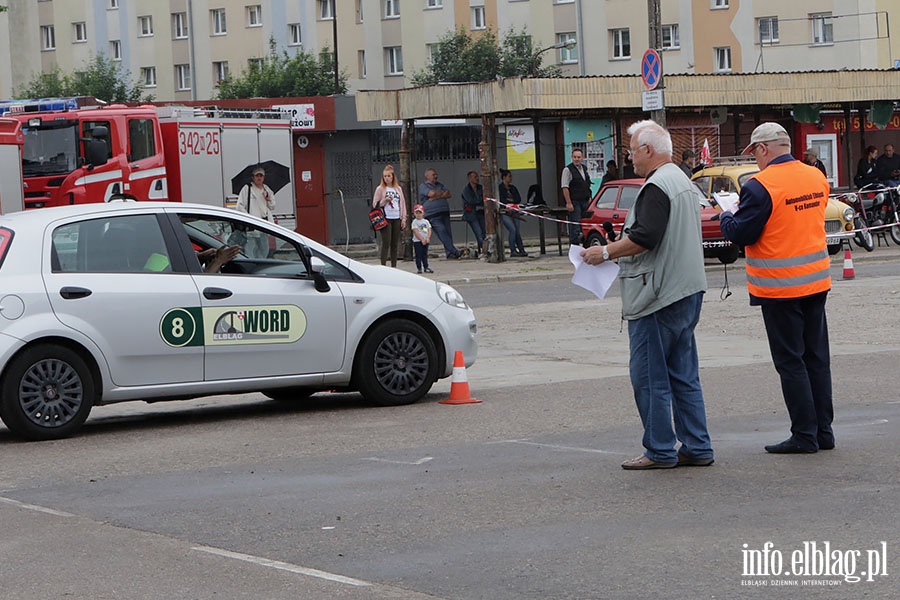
257	199
389	198
510	195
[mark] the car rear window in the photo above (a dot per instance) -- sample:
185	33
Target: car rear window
6	236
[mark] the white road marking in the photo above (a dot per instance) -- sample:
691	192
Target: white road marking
421	461
275	564
36	508
555	446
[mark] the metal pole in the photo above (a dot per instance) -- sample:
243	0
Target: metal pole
405	185
334	35
654	21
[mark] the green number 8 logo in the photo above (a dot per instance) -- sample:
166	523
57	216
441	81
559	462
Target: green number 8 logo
178	328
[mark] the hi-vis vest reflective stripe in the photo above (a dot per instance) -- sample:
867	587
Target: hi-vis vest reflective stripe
790	258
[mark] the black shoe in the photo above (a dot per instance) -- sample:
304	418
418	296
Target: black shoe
687	461
790	446
428	270
826	445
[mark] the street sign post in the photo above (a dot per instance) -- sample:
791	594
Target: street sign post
652	76
651	69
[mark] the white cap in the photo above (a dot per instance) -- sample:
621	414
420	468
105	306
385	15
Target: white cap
767	132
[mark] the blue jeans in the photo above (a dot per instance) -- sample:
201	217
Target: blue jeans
515	236
575	216
475	219
441	226
665	375
421	252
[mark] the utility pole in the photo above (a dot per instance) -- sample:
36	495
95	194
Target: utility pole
654	21
334	36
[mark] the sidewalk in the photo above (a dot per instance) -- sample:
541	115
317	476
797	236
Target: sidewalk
551	265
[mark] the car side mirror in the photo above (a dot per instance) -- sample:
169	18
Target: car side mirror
318	268
588	214
715	217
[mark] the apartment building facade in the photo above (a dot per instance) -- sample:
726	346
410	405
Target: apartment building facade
180	49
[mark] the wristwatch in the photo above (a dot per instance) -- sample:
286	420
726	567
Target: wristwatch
605	253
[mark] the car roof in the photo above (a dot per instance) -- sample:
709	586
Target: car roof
736	170
44	215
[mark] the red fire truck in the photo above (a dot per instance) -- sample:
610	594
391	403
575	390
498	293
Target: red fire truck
74	153
11	140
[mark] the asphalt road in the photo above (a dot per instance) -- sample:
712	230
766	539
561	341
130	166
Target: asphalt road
518	497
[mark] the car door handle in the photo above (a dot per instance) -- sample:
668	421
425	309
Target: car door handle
74	293
214	293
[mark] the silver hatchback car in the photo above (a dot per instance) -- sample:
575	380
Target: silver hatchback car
103	303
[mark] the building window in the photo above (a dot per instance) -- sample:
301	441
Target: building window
361	63
478	18
115	49
391	9
723	59
670	37
148	76
80	31
326	10
113	4
254	16
434	3
768	30
145	26
567	55
255	63
822	33
719	4
359	11
219	27
220	71
179	26
430	52
621	43
48	37
182	77
295	37
394	60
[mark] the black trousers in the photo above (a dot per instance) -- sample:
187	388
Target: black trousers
798	339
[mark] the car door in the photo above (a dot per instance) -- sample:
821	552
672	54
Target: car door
262	316
112	278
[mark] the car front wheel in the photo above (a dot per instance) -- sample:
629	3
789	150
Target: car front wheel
47	393
396	363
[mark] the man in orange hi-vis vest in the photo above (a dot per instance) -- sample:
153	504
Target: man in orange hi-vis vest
780	222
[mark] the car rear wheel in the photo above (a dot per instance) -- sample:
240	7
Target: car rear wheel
595	239
396	363
47	393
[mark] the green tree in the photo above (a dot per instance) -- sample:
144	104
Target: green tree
101	78
460	57
280	75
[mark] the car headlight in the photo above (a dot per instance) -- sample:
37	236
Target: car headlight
450	296
848	214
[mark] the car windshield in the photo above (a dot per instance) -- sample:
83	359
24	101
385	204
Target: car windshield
50	149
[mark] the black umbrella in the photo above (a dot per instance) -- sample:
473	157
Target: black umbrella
277	176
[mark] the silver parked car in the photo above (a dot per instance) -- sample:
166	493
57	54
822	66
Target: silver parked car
103	303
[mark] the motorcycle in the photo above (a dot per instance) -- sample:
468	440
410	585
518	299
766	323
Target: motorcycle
878	208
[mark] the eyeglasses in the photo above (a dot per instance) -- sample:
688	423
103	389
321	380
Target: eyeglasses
758	145
633	150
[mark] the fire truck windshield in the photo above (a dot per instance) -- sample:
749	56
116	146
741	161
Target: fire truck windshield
51	149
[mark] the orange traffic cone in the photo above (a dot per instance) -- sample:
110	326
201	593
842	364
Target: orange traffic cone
849	272
459	386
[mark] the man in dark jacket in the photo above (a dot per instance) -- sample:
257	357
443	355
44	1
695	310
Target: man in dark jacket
576	188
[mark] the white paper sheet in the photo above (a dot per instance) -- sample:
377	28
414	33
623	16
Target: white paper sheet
727	200
596	279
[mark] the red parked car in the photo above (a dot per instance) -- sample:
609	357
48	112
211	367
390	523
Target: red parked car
613	201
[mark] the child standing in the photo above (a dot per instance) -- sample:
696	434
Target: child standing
421	229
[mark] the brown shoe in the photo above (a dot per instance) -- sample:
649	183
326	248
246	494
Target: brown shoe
642	463
687	461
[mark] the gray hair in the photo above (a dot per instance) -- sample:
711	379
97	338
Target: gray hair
651	133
